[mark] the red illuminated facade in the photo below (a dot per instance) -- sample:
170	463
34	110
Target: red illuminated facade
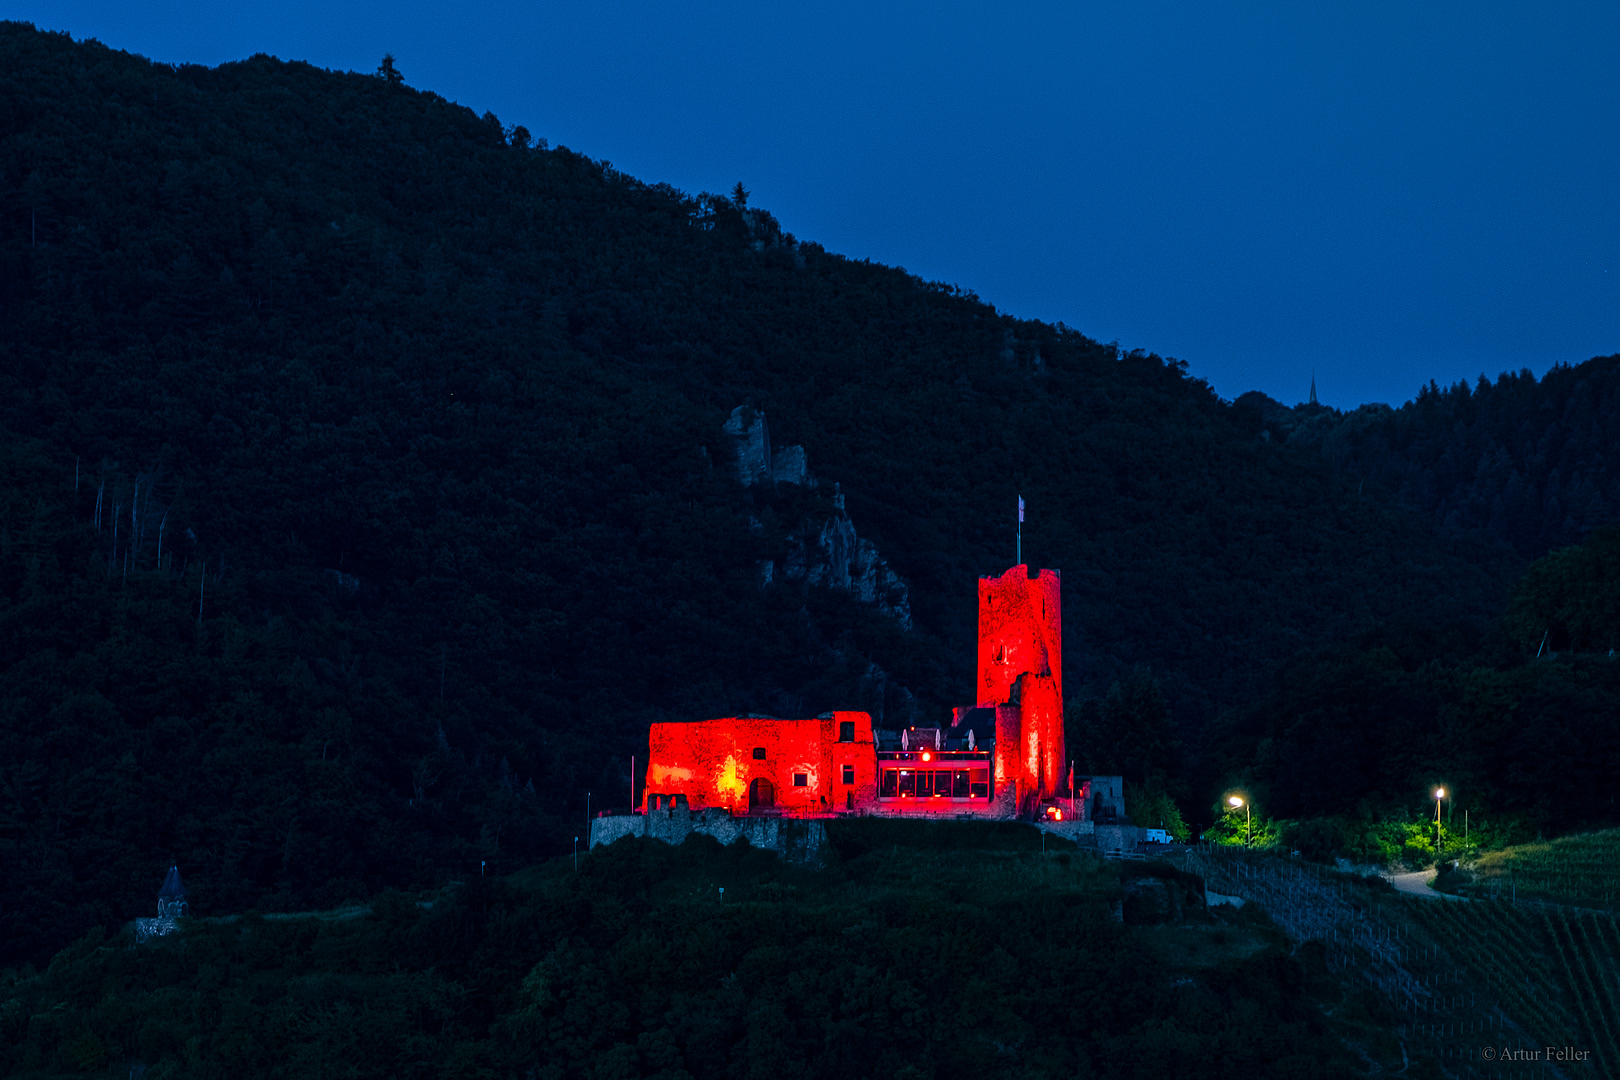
1001	757
760	764
1020	675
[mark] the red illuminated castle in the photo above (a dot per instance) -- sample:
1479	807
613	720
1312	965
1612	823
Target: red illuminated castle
1001	757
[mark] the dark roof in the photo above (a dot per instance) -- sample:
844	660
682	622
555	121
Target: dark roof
172	889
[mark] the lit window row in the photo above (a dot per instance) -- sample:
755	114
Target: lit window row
934	783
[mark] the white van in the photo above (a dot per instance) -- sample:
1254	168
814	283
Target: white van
1156	836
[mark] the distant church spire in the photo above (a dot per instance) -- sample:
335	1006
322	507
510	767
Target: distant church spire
1313	388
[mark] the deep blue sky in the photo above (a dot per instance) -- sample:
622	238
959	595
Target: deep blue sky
1383	194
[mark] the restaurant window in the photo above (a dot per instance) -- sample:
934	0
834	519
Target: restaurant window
979	783
908	782
888	788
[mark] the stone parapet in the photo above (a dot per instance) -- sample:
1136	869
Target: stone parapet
1080	832
796	840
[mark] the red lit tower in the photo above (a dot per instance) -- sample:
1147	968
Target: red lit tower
1020	675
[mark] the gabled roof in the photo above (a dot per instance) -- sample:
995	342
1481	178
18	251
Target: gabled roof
172	888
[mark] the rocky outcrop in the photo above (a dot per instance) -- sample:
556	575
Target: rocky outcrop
828	552
835	557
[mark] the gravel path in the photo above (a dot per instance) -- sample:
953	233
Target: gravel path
1417	884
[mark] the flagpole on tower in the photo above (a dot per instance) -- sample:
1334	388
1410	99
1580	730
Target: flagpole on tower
1020	561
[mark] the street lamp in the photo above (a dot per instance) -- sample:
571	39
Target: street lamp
1439	793
1237	802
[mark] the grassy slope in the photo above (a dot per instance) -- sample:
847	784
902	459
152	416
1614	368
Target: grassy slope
1583	869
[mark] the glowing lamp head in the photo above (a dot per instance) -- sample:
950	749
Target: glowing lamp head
1439	792
1235	801
1057	815
927	756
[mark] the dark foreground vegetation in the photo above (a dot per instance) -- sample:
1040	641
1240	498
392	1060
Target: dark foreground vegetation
916	954
363	498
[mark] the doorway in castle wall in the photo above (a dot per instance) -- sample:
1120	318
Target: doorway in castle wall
761	795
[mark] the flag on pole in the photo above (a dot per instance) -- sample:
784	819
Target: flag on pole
1020	508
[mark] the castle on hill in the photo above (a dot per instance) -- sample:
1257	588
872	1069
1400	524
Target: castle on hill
1000	758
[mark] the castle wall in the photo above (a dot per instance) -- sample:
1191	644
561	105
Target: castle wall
711	763
1040	704
796	841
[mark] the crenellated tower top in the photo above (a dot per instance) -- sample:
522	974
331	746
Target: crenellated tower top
1020	632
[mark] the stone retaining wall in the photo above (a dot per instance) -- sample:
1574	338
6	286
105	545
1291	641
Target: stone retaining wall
795	840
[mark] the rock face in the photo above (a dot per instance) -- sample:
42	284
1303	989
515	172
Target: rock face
835	557
827	553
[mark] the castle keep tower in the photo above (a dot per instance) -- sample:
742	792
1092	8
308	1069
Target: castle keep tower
1020	675
1020	632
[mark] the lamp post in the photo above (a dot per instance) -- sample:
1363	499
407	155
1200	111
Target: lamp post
1439	793
1235	803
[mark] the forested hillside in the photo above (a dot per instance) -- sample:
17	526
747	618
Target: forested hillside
1530	461
1521	722
366	495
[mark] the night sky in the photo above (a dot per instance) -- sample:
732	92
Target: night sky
1381	194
